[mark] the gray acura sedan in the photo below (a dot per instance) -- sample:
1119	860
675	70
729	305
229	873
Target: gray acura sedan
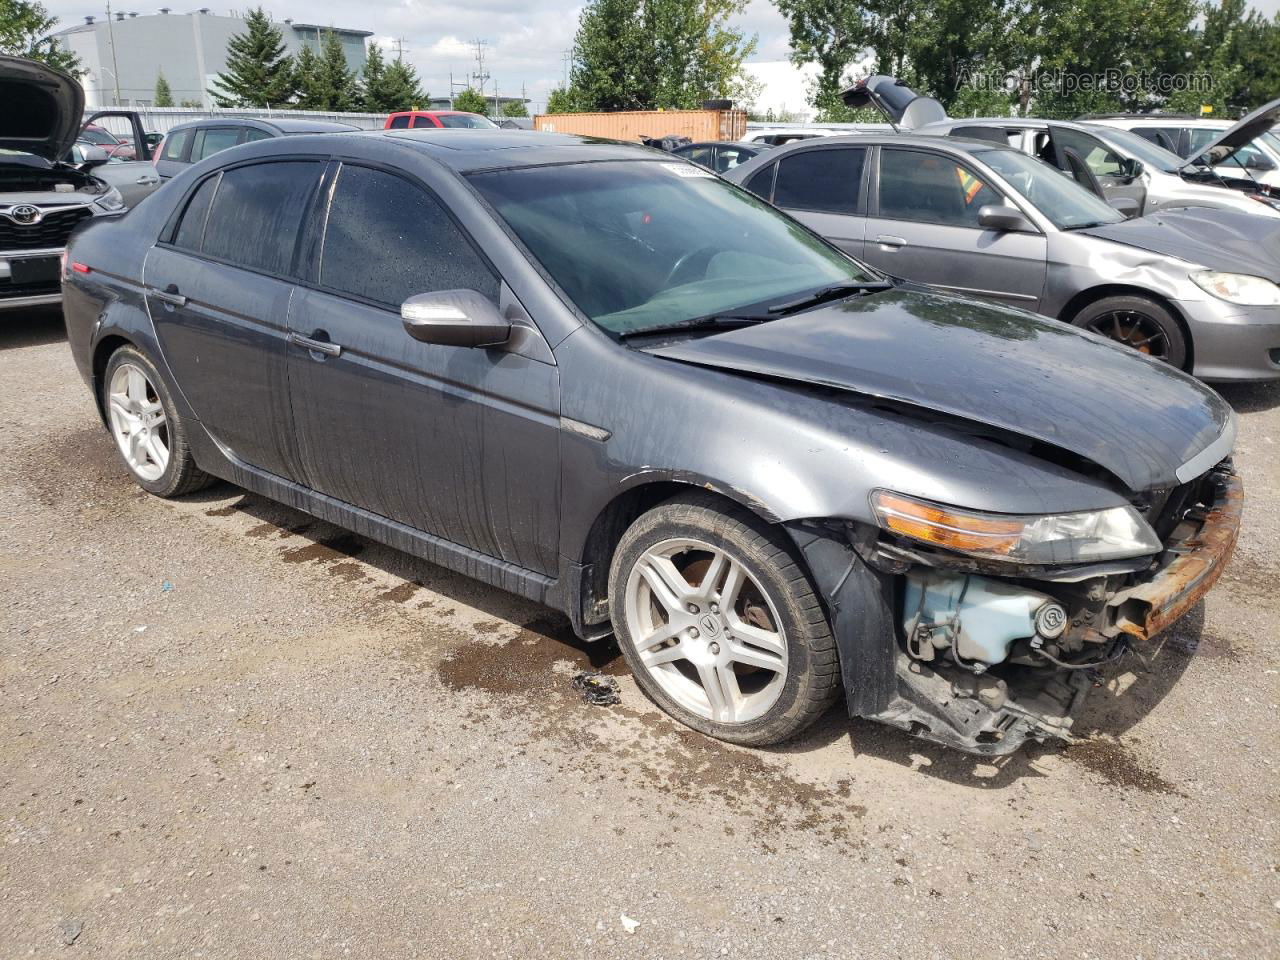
1196	287
607	380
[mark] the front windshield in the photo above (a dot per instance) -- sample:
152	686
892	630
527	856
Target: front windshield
640	243
1151	154
98	136
1067	204
472	121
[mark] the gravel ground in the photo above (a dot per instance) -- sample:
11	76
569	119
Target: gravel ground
228	730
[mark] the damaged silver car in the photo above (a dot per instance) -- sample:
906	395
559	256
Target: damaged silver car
609	381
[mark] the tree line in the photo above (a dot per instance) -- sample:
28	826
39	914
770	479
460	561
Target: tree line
1052	58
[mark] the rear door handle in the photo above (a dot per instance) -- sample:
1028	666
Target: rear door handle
317	346
170	297
893	242
145	181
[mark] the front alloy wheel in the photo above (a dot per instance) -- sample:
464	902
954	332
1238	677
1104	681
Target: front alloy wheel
719	623
138	422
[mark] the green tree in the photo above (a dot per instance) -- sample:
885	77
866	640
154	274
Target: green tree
164	96
515	108
561	101
389	87
310	93
830	33
24	32
340	89
259	74
403	86
612	58
471	101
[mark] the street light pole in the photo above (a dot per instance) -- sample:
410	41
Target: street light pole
115	67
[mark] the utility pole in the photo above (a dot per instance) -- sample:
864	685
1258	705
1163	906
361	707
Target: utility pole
567	58
399	42
480	76
115	67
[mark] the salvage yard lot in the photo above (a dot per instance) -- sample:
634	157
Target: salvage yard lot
229	730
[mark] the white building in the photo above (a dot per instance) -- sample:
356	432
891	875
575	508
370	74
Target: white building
122	58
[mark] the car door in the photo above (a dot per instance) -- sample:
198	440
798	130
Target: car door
823	189
210	140
134	176
1115	174
461	443
218	291
924	226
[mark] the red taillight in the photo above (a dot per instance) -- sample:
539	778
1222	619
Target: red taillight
81	268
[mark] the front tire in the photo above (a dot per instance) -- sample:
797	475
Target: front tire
1140	323
719	624
149	433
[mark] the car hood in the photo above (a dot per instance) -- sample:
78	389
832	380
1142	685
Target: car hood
1139	419
1217	239
1242	134
43	108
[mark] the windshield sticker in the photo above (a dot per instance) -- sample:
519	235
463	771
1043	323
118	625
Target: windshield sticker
689	170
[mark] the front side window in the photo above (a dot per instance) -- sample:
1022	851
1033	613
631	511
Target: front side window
257	214
213	140
824	180
636	244
1166	137
931	188
1067	204
388	239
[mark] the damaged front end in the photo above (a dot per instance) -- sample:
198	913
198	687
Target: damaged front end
986	654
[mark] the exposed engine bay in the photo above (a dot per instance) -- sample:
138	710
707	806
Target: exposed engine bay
23	173
986	662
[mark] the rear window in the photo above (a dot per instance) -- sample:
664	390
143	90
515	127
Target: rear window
823	180
469	121
258	212
253	133
175	143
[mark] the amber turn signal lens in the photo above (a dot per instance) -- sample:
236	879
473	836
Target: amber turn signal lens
944	527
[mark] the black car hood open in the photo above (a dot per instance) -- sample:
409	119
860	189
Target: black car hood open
1137	418
43	108
1224	240
1249	129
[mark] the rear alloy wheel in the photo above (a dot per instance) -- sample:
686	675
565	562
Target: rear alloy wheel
148	431
1139	323
719	625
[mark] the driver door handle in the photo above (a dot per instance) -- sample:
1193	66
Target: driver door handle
317	346
144	180
891	242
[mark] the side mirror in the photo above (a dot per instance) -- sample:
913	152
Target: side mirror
1256	161
455	318
91	155
1004	218
1126	205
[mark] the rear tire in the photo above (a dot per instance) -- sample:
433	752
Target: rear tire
150	435
720	624
1137	322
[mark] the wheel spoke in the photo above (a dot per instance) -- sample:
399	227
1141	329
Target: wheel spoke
751	657
155	449
721	687
733	582
720	562
660	635
668	585
655	658
766	640
137	389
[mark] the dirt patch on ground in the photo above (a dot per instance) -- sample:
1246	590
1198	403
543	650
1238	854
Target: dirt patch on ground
1117	765
329	550
88	468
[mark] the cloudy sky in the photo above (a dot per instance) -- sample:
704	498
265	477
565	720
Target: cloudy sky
526	38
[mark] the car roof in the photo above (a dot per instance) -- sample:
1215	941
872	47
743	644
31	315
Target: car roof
715	143
955	144
286	125
468	151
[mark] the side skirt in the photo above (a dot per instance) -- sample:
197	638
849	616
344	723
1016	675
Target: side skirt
222	463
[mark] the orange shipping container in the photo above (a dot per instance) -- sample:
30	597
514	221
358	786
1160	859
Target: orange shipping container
631	125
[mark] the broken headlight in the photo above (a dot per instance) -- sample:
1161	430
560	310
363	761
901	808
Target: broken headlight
111	201
1092	535
1238	288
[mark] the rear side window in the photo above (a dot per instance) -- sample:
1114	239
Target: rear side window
175	143
190	233
388	239
761	182
213	140
823	180
253	133
257	214
930	188
398	123
1006	138
1166	137
422	122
